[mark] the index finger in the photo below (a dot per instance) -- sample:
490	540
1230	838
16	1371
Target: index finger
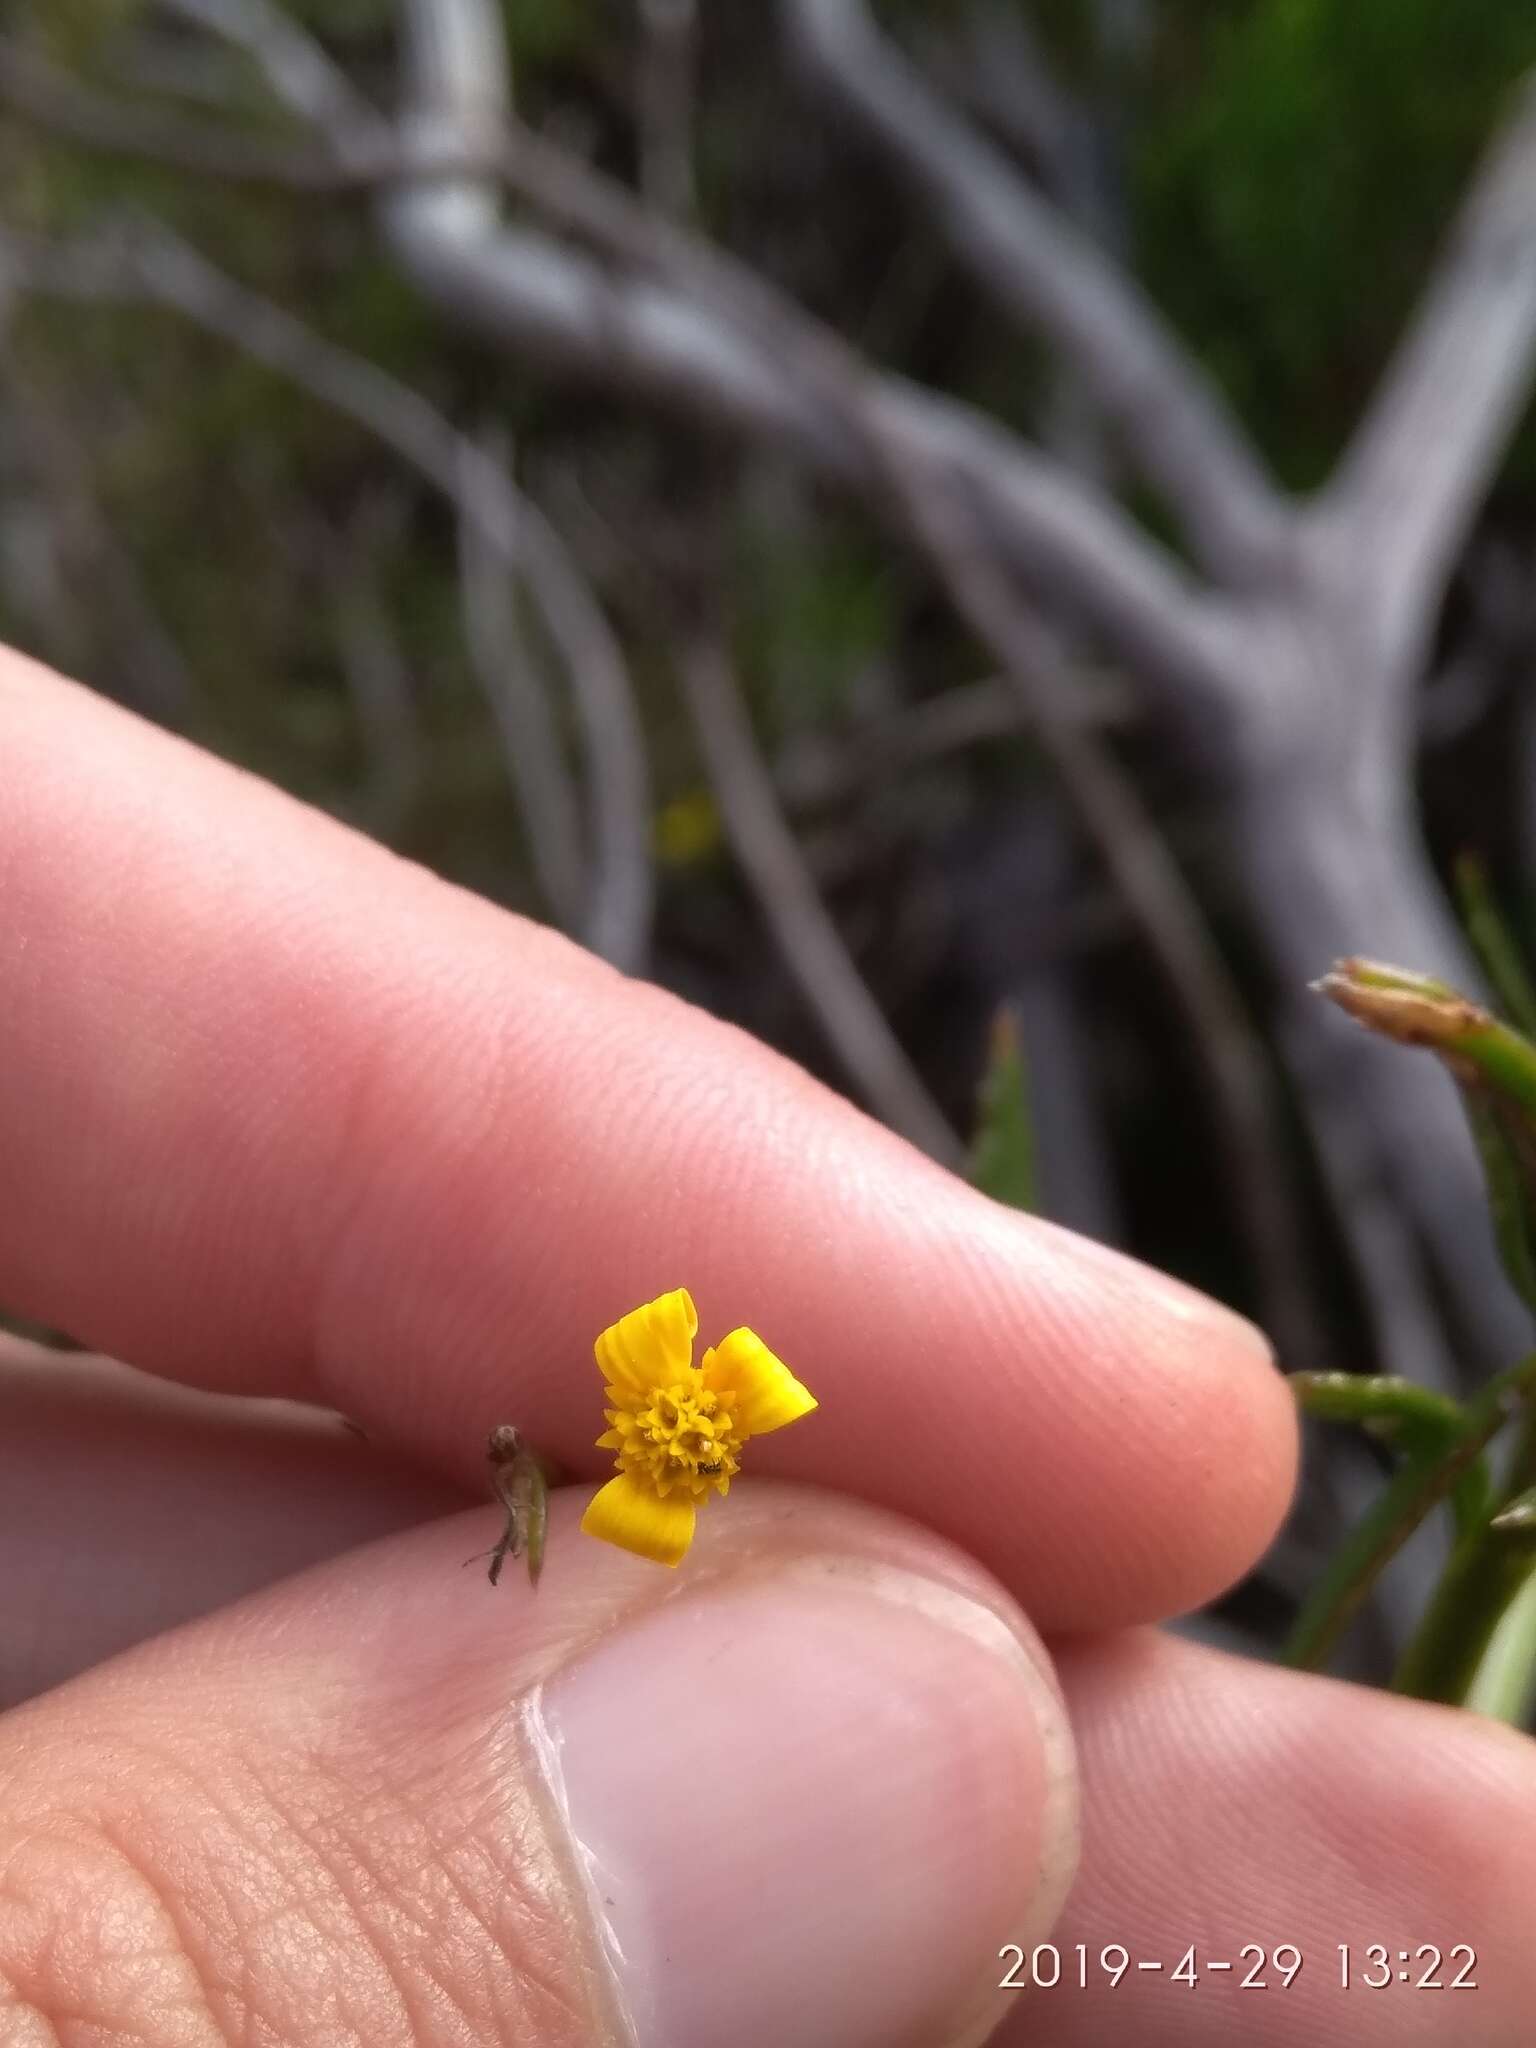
282	1113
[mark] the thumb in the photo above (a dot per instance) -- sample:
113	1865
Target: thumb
801	1790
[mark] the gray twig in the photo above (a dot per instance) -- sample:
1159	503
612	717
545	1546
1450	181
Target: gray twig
150	263
373	664
147	663
1404	496
668	54
810	942
693	329
507	669
1046	275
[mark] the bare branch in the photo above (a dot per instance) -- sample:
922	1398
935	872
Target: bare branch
928	474
508	674
153	265
1053	281
51	99
572	316
559	309
925	444
146	664
700	333
1133	851
1405	494
621	892
357	155
829	768
300	74
998	70
713	337
668	62
811	944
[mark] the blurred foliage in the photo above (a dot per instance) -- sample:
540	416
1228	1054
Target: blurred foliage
1295	163
1285	168
1003	1147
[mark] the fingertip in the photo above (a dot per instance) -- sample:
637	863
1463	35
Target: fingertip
1118	1447
1215	1437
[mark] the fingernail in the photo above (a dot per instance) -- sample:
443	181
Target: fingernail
812	1808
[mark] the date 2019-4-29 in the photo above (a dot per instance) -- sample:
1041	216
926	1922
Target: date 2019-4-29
1372	1967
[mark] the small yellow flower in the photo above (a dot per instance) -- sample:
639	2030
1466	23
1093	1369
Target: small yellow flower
678	1428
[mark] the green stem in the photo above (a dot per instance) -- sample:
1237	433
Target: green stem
1504	1684
1421	1425
1521	1476
1476	1644
1451	1657
1495	944
1386	1527
1373	1399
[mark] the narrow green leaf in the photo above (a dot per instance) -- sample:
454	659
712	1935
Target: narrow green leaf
1420	1424
1503	1683
1511	1190
1383	1530
1484	1578
1003	1150
1394	1404
1495	944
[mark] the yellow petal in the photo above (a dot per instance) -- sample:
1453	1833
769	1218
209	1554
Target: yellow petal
627	1512
651	1346
764	1394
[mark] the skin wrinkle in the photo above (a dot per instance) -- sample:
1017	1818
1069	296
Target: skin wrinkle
423	1808
402	1809
415	1796
243	1848
381	1907
180	1948
336	1912
148	1763
543	1967
42	1966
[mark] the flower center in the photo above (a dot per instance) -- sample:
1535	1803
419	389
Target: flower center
685	1438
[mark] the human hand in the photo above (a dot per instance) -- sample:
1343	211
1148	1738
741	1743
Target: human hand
283	1116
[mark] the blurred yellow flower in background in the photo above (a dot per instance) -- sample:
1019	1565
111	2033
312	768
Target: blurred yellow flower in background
687	831
678	1427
